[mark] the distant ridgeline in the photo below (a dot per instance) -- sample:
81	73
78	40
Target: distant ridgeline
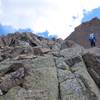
6	29
46	35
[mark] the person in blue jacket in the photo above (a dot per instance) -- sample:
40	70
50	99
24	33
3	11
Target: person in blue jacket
92	39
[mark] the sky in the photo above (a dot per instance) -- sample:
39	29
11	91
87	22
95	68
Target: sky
90	15
58	17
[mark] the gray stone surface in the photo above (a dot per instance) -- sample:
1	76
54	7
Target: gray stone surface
44	70
75	82
41	83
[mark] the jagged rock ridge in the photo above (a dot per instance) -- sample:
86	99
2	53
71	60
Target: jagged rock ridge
81	32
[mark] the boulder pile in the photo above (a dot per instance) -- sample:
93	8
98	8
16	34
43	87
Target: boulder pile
36	68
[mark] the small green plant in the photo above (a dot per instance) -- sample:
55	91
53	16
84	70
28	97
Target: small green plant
23	38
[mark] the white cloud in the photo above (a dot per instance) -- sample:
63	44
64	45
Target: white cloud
59	17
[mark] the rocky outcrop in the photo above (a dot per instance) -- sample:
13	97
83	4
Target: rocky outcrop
22	39
74	80
47	70
36	80
81	33
93	66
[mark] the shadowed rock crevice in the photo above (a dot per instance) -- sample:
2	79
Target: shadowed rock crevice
59	87
14	67
93	67
91	95
73	61
33	44
59	92
14	76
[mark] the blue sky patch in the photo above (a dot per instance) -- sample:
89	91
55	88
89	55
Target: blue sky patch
89	15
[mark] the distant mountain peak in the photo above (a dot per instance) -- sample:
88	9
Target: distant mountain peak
95	19
81	32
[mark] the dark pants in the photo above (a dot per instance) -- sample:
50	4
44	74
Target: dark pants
92	43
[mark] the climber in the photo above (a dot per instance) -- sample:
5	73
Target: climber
92	39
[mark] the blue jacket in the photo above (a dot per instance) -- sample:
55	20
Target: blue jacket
92	37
